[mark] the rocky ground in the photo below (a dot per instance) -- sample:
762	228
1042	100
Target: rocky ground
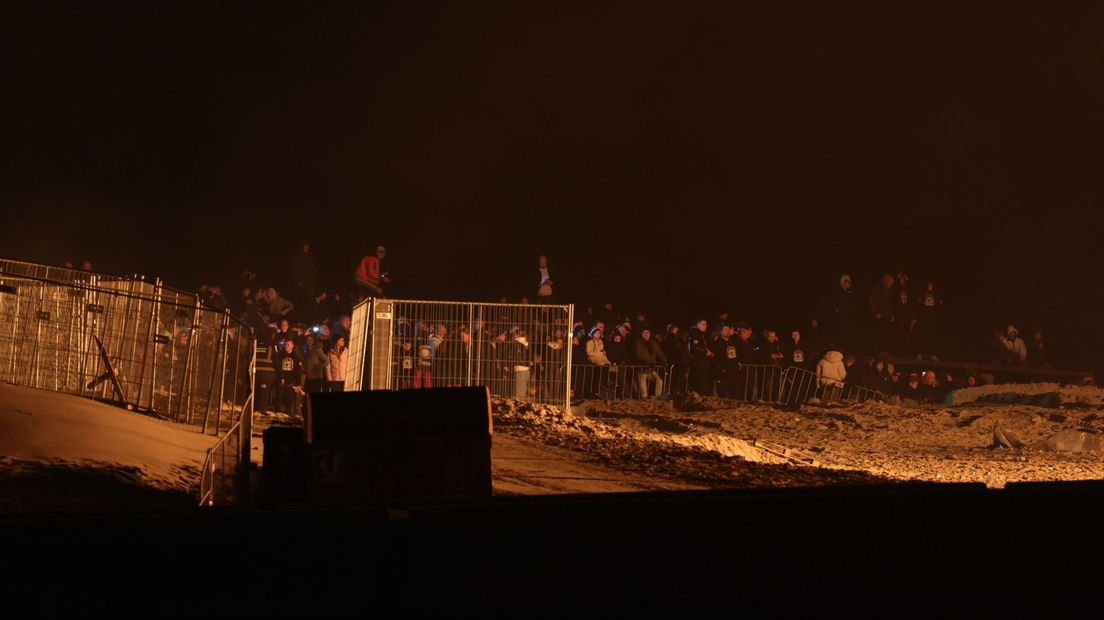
710	442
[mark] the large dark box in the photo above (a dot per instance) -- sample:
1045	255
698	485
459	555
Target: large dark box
394	446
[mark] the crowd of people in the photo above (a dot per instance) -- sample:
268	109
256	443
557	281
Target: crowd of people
307	328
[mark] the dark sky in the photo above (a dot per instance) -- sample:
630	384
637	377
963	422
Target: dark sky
680	158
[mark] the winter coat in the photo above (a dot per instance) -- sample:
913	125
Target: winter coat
316	362
339	362
843	305
648	353
796	353
727	355
519	353
830	369
675	351
881	302
746	353
303	270
904	303
699	348
616	349
596	352
280	307
1018	349
769	349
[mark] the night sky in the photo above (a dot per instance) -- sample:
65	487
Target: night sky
680	159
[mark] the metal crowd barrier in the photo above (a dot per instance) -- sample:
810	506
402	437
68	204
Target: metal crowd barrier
123	340
517	350
753	383
800	385
621	382
221	480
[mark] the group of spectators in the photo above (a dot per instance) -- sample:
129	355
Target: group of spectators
307	329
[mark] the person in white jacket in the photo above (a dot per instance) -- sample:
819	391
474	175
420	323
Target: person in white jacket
339	362
1016	345
831	372
831	369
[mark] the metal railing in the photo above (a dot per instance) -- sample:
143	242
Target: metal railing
225	476
124	340
516	350
800	386
220	481
621	382
753	383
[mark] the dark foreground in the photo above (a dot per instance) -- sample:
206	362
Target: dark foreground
920	545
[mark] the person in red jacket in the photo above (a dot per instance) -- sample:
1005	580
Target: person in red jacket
368	273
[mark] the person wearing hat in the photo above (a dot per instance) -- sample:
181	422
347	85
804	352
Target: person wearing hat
368	274
1016	345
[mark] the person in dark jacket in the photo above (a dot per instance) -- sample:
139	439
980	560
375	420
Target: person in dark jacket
880	303
845	313
815	346
929	308
678	356
770	350
904	319
910	389
289	378
314	365
1037	351
649	355
794	351
749	378
304	273
701	359
726	353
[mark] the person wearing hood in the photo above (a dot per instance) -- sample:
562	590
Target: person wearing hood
831	373
1016	346
929	309
880	302
845	311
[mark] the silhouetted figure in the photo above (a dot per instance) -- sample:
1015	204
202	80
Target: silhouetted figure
845	312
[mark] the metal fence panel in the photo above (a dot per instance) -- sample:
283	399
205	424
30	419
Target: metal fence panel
622	382
181	361
516	350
